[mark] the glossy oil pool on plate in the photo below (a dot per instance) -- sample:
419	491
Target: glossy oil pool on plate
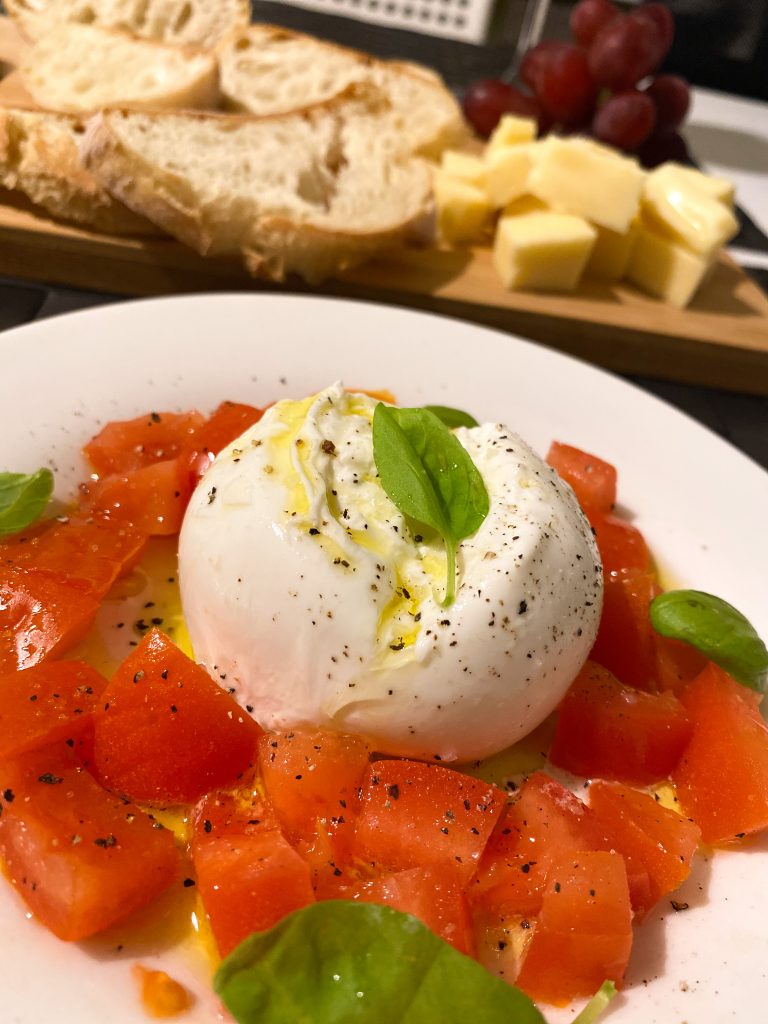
700	503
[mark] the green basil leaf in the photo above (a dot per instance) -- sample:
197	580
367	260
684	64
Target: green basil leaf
430	477
23	498
715	628
452	418
597	1004
339	961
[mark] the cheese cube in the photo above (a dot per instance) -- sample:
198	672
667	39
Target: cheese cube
611	252
544	251
665	269
512	130
525	204
463	166
463	210
716	188
682	209
506	175
575	176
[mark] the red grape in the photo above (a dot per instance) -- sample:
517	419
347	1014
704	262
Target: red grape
565	87
625	120
661	17
487	100
672	98
588	17
661	147
624	52
535	59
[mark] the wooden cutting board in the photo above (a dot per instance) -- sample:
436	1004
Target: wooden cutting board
720	340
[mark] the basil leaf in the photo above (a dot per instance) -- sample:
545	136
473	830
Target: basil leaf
597	1004
339	961
23	498
430	477
452	418
715	628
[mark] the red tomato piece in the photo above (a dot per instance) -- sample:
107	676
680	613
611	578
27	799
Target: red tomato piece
416	815
625	643
312	777
677	663
593	480
432	894
42	615
81	858
52	701
544	822
94	550
167	733
722	777
655	842
583	935
612	731
152	499
248	882
125	445
622	547
229	812
223	426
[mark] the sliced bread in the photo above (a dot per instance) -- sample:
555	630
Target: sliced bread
39	157
180	22
83	67
269	70
309	192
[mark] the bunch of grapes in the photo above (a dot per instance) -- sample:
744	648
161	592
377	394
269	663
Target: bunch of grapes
600	84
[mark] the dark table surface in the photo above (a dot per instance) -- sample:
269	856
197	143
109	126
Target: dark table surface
741	419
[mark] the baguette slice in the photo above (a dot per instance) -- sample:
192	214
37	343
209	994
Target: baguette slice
310	192
269	70
82	67
39	157
179	22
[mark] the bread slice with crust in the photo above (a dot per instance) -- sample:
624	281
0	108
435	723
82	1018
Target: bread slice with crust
310	192
84	67
270	70
179	22
39	157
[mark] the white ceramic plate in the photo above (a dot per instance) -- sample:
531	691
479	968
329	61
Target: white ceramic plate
701	504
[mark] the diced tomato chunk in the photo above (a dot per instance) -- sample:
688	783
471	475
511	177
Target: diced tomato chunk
248	882
152	499
677	663
125	445
624	643
415	815
228	812
223	426
593	480
42	615
654	841
94	550
583	935
80	857
52	701
621	545
722	777
312	775
430	893
167	733
544	822
612	731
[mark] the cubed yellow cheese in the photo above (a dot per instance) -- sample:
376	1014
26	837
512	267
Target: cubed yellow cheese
506	173
685	212
544	251
463	210
716	188
463	166
512	130
665	269
574	176
525	204
611	252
